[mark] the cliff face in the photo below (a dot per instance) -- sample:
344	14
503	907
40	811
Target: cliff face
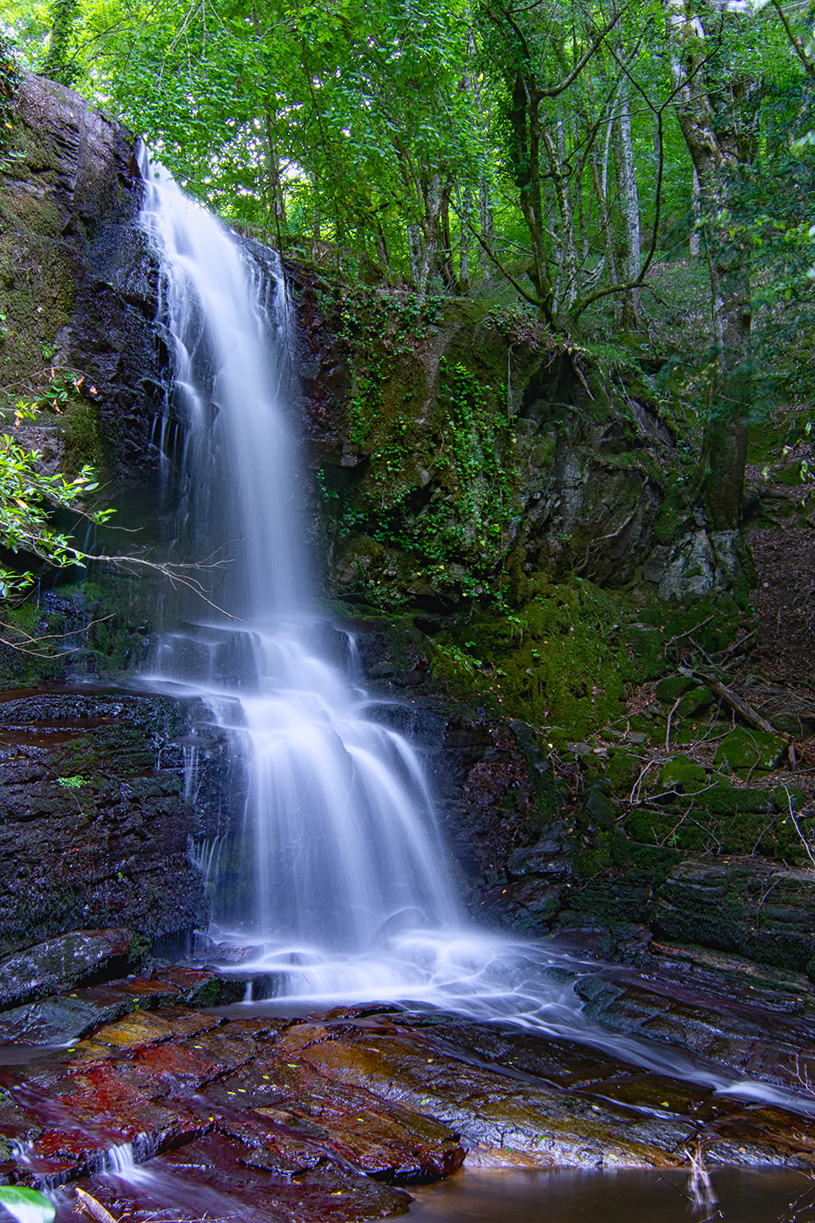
76	285
462	450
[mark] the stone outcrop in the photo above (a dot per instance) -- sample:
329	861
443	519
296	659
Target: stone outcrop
94	829
455	441
329	1118
77	287
64	962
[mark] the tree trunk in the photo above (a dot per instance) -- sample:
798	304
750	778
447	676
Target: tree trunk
445	259
526	149
566	286
464	241
429	233
57	63
276	199
630	203
599	175
714	131
695	243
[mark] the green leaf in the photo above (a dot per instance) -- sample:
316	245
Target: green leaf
27	1205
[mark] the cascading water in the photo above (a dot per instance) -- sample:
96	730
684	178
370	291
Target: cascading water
339	843
338	876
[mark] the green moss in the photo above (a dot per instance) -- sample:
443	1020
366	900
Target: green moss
81	438
695	703
648	646
722	819
673	512
560	662
746	751
712	624
672	687
680	773
622	769
785	797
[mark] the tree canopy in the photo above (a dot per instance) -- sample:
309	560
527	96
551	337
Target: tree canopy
582	160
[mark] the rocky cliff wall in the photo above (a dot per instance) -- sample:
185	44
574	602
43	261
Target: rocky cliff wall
76	284
461	451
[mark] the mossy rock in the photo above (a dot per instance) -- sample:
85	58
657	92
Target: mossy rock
680	773
672	687
785	797
622	769
726	799
745	751
695	702
648	644
791	724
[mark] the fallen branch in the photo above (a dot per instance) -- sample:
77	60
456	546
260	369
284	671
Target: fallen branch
88	1205
750	715
671	713
28	640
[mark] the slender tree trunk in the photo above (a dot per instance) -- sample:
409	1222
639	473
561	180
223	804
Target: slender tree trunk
565	292
429	233
414	237
526	131
630	202
276	199
382	249
464	241
599	174
445	244
716	143
695	242
316	227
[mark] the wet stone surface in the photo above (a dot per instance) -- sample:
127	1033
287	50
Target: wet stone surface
166	1105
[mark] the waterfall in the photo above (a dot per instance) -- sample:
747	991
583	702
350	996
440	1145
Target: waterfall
338	845
336	875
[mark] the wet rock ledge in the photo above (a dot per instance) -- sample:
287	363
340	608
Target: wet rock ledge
94	829
175	1099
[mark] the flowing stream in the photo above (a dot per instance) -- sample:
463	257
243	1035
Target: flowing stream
336	877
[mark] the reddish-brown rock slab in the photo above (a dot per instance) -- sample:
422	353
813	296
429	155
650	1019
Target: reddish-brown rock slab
72	1015
222	1179
548	1103
316	1120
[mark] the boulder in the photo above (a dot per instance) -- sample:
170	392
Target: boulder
746	751
62	963
757	908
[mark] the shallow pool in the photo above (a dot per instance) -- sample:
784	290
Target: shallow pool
478	1195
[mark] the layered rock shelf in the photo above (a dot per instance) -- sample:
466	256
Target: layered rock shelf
174	1098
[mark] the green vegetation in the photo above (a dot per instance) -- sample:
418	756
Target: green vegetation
27	1203
638	184
26	498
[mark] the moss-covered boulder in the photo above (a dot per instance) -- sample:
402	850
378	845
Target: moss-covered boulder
752	906
680	773
745	751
